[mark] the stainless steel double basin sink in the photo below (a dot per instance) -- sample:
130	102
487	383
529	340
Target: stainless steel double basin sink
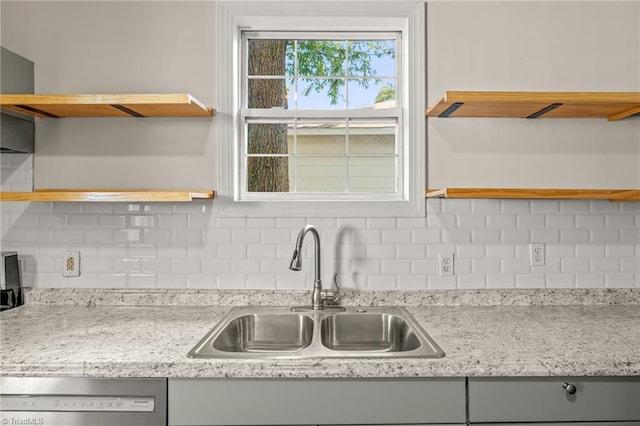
280	332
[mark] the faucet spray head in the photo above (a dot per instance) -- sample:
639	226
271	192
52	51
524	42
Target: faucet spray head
296	261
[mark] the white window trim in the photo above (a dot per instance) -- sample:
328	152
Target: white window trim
405	16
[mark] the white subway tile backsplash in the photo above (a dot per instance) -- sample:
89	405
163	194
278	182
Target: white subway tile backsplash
436	282
187	236
561	280
574	236
261	282
456	236
123	236
471	221
382	223
443	221
292	281
97	207
412	223
151	236
426	267
396	236
485	206
626	221
590	250
172	281
605	236
505	280
614	280
395	267
381	282
545	206
412	282
156	266
472	281
630	265
98	236
546	236
197	281
483	266
500	251
590	221
112	221
456	206
244	236
605	265
381	251
485	236
515	236
261	223
516	206
565	221
170	221
67	207
501	221
261	251
85	220
244	266
531	221
592	280
630	236
530	280
588	244
426	236
515	266
575	265
411	251
574	206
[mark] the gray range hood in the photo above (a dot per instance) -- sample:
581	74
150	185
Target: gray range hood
16	76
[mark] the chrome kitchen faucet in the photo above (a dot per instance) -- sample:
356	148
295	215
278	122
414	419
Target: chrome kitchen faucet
318	296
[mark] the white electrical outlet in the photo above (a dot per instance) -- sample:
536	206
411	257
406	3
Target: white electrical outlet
537	254
446	264
71	264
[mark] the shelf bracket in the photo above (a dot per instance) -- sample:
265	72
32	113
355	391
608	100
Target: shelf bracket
544	110
624	114
127	110
37	111
451	109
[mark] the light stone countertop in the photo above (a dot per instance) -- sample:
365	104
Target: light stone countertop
522	336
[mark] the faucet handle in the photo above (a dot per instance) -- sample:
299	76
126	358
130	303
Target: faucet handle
332	297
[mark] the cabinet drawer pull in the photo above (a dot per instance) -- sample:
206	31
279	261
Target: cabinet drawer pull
571	389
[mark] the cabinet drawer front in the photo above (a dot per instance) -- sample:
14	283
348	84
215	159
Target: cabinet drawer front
546	400
278	402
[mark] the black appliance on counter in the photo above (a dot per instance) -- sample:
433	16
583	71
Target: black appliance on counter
11	291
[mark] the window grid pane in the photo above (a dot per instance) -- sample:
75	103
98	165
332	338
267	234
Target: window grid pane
334	155
336	148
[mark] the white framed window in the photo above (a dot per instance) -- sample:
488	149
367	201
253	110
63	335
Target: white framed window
321	103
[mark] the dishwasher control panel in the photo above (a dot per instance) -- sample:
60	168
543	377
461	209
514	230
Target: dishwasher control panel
76	403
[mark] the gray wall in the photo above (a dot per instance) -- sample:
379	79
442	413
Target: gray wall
533	46
120	47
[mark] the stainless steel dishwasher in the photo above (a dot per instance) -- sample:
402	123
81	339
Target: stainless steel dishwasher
83	401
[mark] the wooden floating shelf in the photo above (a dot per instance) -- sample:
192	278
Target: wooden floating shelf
610	105
69	195
536	193
146	105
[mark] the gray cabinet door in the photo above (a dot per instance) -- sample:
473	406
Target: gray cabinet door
316	402
545	400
